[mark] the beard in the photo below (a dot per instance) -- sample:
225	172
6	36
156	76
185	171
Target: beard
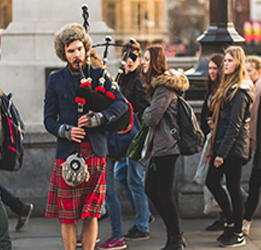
74	67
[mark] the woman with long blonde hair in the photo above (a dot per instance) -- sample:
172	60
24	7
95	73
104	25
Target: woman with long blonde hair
231	142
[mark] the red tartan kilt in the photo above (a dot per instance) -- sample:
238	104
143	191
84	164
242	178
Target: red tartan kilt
71	203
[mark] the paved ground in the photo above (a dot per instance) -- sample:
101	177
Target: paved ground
43	233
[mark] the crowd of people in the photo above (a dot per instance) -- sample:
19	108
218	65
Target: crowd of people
231	113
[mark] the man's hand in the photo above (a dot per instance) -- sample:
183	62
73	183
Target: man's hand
91	120
77	134
71	133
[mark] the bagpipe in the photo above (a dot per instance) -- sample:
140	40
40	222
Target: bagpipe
99	98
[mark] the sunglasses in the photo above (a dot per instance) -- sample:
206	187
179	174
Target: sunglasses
133	56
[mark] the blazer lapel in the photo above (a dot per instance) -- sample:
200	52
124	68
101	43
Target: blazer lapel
69	83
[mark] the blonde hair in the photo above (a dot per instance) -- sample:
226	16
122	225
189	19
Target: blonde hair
255	60
227	81
68	34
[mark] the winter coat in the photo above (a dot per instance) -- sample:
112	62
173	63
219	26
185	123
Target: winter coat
233	127
163	111
132	88
1	128
257	156
254	112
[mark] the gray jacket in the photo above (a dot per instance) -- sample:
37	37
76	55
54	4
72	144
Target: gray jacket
163	111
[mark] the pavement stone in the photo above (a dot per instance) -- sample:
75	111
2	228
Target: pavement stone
44	233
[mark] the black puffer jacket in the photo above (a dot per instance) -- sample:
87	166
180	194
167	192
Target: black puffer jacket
132	88
233	128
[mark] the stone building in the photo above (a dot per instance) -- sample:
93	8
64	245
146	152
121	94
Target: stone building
145	20
5	13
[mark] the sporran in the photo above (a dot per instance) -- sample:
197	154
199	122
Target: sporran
75	170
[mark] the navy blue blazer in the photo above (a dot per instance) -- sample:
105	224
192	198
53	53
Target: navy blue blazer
60	108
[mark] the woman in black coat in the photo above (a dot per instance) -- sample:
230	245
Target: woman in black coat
230	142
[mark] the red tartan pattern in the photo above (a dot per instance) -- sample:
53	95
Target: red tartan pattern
71	203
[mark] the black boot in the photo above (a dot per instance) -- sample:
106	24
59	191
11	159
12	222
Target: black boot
175	243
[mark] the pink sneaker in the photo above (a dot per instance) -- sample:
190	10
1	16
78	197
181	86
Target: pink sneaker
113	244
79	241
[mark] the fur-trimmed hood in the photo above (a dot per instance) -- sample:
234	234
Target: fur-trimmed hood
248	86
172	79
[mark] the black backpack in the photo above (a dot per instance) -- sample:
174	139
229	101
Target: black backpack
191	138
13	132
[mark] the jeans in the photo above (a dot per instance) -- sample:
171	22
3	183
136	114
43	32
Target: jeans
129	175
15	204
5	241
113	203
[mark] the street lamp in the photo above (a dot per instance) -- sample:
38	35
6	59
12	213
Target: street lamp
220	34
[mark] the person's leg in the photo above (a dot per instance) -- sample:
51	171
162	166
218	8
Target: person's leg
120	176
233	177
5	241
89	233
213	183
15	204
69	232
253	194
135	178
23	210
165	168
159	188
113	204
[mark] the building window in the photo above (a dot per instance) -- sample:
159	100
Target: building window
111	15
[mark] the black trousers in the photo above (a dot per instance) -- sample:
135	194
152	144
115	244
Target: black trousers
232	168
253	194
159	189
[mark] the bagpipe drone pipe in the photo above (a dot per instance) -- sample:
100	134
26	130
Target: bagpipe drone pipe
91	98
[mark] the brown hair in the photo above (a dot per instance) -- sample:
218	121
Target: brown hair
158	65
218	60
135	47
68	34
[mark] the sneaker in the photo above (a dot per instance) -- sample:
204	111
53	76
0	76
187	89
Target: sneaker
236	240
216	226
135	234
113	244
23	219
79	241
228	232
246	227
